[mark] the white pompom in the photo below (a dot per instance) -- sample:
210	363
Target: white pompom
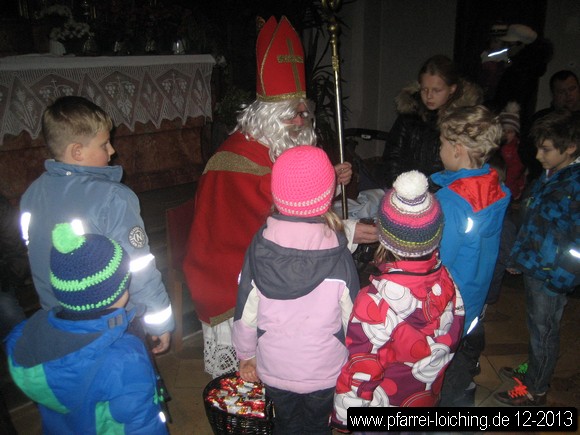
410	185
512	107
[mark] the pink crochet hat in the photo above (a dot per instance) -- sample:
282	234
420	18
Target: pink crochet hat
303	182
410	218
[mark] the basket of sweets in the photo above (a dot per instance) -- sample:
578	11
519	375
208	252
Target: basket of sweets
236	407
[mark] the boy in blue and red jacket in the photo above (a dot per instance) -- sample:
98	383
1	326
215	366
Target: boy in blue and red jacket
474	203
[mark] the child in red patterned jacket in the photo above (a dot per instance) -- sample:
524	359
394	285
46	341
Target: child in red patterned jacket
405	325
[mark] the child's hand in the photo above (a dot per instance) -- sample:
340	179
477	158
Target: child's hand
161	342
248	370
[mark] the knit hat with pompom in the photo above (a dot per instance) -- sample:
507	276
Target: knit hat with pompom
410	218
303	182
89	272
510	116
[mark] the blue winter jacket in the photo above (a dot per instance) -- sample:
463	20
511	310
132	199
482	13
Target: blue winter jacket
474	203
548	243
105	206
88	376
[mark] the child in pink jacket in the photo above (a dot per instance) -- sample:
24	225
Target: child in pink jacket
295	296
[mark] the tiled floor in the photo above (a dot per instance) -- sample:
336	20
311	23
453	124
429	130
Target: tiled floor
506	336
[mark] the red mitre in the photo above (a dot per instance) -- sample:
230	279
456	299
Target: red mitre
280	62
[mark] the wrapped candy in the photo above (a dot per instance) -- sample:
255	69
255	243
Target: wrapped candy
238	397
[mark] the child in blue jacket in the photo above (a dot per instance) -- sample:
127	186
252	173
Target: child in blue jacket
474	203
547	252
80	184
77	361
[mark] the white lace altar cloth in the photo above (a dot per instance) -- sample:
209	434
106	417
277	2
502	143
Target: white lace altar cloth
129	88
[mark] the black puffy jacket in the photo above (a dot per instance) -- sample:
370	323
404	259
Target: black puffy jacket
413	141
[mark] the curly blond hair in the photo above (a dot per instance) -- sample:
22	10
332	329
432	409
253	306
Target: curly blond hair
477	128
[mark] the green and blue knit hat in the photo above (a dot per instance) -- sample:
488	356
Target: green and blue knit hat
88	273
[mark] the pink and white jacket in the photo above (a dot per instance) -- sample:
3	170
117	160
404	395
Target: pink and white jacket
295	296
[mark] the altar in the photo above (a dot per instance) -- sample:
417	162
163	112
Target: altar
160	106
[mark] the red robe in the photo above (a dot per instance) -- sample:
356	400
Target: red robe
233	199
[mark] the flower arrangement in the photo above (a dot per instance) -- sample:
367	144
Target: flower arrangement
64	26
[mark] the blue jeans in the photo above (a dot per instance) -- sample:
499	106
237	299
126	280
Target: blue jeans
301	414
544	312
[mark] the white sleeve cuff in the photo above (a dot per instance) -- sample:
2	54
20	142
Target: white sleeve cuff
349	228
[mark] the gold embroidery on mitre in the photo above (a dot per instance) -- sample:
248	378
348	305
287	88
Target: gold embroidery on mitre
290	58
293	60
266	54
281	97
232	162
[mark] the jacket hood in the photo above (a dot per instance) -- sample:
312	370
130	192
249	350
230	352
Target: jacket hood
426	280
45	337
445	178
409	100
114	173
287	273
481	189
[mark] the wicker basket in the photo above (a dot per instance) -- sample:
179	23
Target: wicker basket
224	423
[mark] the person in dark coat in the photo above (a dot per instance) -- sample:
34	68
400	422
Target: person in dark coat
413	141
528	58
565	90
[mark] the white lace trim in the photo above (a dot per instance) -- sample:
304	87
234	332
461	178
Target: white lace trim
219	355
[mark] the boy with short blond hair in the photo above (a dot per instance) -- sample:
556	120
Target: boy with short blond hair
69	119
474	203
80	184
547	251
